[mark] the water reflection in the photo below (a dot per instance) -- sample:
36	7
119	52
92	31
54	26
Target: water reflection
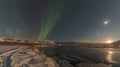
109	56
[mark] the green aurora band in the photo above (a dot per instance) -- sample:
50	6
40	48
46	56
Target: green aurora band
14	30
13	34
54	13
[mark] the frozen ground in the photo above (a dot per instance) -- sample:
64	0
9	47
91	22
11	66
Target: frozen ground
25	57
7	48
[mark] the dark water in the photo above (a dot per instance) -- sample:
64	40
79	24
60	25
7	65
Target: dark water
77	55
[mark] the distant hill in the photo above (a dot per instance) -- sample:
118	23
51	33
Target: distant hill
116	42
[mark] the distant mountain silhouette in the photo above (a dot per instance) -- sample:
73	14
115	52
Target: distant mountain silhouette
116	42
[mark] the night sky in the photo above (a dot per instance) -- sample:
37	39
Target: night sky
60	20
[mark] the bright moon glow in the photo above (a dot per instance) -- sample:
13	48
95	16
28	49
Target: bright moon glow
106	22
109	41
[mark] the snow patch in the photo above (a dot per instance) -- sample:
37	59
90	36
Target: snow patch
28	58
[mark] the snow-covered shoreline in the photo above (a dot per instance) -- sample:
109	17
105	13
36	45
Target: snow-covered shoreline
26	57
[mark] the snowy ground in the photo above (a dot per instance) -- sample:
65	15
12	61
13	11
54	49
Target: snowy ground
5	60
25	57
7	48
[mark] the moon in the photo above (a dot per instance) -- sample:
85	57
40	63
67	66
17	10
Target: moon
106	22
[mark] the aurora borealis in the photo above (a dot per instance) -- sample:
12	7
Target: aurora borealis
10	20
60	20
34	18
53	14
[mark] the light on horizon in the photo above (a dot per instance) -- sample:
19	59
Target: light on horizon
109	41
